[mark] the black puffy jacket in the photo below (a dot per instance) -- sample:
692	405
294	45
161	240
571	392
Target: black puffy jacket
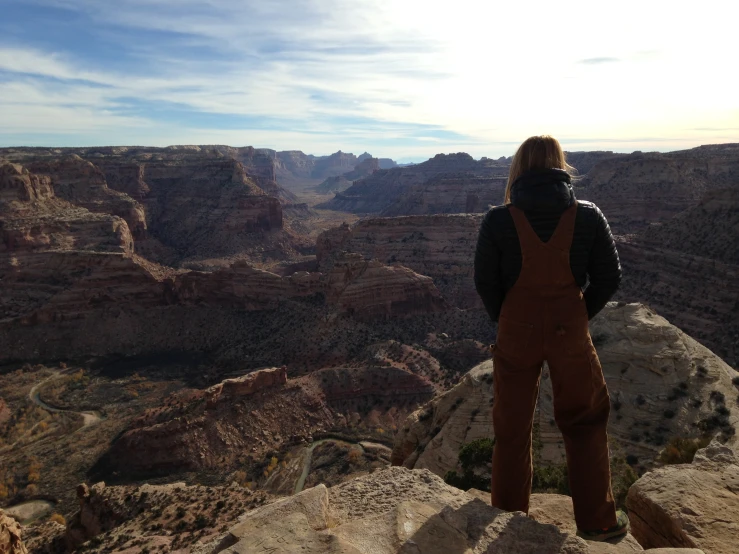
543	195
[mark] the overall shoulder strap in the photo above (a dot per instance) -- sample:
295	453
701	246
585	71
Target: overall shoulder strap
562	237
527	237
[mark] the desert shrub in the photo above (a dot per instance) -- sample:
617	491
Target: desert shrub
475	459
551	479
669	414
622	477
201	522
180	513
717	396
477	452
467	480
632	460
640	401
682	450
735	381
676	393
58	518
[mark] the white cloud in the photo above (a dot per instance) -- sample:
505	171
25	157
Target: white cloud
492	72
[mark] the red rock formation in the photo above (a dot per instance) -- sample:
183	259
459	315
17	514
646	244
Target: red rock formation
188	433
644	188
192	201
450	194
370	289
440	246
339	183
143	518
83	184
335	164
709	228
247	385
385	187
71	277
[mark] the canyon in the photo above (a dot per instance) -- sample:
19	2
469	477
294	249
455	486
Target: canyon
206	320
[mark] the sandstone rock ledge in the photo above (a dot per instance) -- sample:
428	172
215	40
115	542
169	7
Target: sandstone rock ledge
10	536
398	511
690	505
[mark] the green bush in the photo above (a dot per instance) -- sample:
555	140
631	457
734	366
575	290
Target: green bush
476	453
467	480
551	479
622	477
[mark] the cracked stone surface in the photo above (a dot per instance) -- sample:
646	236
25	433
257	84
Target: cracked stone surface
689	505
395	511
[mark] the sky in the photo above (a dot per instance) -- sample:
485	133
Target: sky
404	79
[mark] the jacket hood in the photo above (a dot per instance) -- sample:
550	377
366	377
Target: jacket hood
543	190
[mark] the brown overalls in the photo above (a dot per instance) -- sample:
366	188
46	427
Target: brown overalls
544	318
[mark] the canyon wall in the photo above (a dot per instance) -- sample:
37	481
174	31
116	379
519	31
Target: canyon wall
67	270
440	246
383	188
641	188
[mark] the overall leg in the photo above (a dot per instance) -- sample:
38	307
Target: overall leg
581	409
515	393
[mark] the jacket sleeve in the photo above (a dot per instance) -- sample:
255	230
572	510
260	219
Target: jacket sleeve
487	270
604	268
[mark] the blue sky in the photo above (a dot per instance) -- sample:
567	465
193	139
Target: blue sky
400	78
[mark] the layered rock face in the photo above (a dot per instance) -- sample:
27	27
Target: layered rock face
367	289
662	383
292	164
248	416
639	189
450	195
383	188
440	246
65	267
687	268
692	506
49	244
583	162
339	183
207	207
335	164
83	184
193	201
261	165
708	229
384	163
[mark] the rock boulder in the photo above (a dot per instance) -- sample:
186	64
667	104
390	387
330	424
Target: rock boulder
10	536
689	505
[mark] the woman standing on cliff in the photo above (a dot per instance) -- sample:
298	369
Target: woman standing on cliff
545	264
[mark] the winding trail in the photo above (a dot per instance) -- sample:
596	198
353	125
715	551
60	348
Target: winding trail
306	464
308	459
88	418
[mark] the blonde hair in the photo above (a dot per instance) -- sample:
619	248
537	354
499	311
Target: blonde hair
539	152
